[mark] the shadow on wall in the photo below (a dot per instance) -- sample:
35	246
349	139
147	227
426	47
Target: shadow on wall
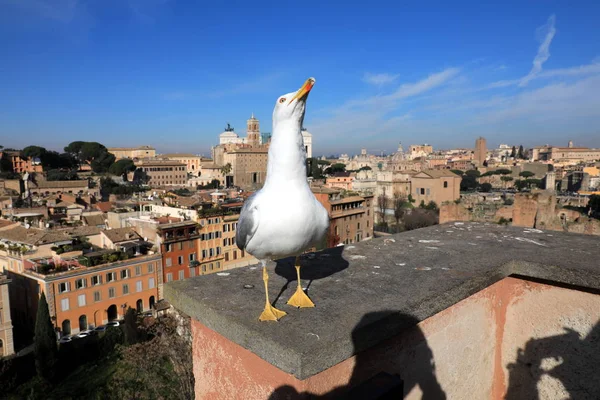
571	359
367	381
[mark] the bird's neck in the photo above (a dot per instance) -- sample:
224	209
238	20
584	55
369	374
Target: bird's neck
287	157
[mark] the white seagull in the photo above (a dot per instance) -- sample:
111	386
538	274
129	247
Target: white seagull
284	218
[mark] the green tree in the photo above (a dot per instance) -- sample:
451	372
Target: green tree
140	177
513	153
503	171
130	327
506	179
485	187
594	203
33	151
226	169
527	174
102	162
45	348
337	167
458	172
431	206
468	183
473	172
122	167
91	153
520	153
399	207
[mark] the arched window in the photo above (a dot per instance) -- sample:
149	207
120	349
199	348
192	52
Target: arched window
66	327
83	325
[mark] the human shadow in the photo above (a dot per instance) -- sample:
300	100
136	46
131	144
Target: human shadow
385	370
314	266
569	358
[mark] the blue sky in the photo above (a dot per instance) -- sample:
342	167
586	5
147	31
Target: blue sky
172	73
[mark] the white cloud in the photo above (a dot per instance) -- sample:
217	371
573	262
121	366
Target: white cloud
379	79
547	31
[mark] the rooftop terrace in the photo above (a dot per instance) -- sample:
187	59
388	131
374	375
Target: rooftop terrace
368	294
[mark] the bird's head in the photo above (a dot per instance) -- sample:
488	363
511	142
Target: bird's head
290	107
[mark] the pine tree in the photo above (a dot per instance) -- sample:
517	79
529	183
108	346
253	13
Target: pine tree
513	153
46	351
521	155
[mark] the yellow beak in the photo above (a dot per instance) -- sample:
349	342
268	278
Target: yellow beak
303	91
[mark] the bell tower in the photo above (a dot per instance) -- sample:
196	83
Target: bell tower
253	131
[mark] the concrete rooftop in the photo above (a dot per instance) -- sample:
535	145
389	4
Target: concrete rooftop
418	273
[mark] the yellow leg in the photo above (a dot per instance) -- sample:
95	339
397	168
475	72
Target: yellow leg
299	298
270	313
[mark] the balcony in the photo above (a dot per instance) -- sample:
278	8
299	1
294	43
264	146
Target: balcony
460	310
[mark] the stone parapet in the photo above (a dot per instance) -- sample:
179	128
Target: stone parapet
460	310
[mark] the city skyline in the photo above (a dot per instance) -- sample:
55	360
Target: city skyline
142	72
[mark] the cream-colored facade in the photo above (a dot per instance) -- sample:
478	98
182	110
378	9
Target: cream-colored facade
435	185
132	152
248	167
191	161
164	172
419	150
6	329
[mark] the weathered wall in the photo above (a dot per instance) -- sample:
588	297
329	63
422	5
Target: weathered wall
551	343
450	212
470	350
531	210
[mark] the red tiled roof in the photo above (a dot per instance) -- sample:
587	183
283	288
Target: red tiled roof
104	206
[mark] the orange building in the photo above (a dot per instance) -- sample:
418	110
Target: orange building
179	248
234	257
351	218
210	248
22	164
81	297
342	181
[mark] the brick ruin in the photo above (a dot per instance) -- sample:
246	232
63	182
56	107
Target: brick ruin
539	210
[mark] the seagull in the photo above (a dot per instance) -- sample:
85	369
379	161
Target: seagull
284	218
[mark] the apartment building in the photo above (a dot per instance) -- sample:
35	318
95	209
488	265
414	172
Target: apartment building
351	218
233	256
164	172
86	292
20	164
179	244
191	161
210	245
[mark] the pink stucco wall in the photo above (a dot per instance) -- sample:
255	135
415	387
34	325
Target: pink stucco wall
467	351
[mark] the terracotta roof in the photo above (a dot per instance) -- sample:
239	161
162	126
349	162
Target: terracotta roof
349	199
440	173
121	234
83	230
180	155
33	236
60	184
187	201
95	220
167	220
104	206
4	223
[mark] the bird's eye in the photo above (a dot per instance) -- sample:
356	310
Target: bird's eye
282	100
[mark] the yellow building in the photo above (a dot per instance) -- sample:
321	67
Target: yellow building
191	161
